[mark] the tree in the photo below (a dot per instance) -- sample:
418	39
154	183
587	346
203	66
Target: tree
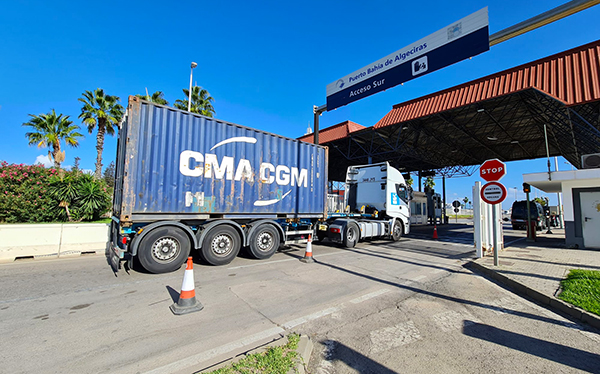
49	130
540	200
109	175
466	200
201	102
104	112
76	168
158	97
429	183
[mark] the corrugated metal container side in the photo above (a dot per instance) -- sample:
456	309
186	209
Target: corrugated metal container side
178	163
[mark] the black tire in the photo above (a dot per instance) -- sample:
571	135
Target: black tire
351	236
321	236
397	231
164	249
221	245
264	241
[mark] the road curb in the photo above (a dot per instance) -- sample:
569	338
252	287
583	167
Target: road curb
550	301
304	350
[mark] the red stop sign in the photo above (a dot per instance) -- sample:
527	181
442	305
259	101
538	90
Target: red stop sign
492	170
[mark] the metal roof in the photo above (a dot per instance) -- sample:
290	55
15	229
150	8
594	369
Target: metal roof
335	132
504	116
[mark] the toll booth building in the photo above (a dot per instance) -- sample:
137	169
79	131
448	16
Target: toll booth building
581	203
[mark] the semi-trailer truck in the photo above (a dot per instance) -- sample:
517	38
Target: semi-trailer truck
185	182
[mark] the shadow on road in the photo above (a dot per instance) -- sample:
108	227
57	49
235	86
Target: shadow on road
354	359
173	293
572	357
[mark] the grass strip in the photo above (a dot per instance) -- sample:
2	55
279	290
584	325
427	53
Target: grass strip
582	288
276	360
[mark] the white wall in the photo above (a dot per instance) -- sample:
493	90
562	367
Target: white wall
567	188
52	240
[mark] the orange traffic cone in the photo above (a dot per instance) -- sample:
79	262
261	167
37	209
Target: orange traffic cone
187	302
435	236
308	258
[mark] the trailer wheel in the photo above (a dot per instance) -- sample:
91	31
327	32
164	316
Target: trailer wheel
164	249
264	241
350	236
397	231
221	245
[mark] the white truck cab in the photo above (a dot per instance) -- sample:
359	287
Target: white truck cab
376	205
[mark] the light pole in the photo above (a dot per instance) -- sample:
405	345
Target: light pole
190	91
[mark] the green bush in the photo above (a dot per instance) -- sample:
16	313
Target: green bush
33	193
80	197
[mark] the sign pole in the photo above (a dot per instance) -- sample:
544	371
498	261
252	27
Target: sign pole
529	233
495	235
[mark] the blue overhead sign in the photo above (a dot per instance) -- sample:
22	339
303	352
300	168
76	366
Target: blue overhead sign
462	39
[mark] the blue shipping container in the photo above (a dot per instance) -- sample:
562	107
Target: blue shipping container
173	164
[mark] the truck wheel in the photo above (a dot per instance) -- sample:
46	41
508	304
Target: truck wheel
350	236
397	231
164	249
264	241
220	245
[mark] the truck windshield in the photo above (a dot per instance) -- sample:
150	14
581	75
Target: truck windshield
402	192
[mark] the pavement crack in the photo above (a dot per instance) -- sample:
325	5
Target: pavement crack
254	309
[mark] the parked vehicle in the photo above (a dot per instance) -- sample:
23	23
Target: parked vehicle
185	182
518	215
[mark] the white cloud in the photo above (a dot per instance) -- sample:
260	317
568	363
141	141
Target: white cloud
44	160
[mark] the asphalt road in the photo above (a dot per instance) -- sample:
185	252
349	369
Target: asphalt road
381	307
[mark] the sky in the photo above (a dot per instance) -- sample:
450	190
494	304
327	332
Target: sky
266	63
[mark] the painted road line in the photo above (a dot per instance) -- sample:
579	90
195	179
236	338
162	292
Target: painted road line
419	278
396	336
514	241
369	296
311	317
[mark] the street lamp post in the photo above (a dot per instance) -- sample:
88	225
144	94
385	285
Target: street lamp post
190	91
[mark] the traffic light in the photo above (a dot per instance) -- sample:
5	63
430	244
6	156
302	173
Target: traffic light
526	188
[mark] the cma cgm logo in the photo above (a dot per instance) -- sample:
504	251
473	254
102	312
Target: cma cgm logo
207	165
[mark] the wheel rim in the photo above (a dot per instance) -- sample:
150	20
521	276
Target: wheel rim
351	234
264	241
397	230
222	245
165	249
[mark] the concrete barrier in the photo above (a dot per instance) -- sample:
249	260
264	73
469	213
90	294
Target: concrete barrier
52	240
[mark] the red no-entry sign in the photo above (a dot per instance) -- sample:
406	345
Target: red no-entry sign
492	170
493	193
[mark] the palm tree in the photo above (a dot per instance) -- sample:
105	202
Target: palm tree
158	97
201	101
466	200
429	183
102	111
49	130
